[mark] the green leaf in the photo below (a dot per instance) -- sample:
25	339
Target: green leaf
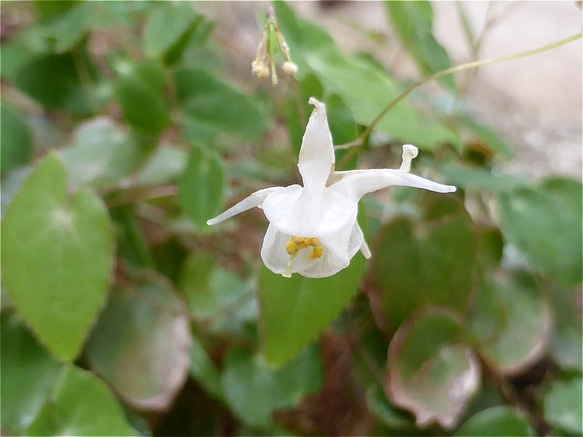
379	405
295	310
545	224
413	23
480	178
197	33
11	185
364	88
200	191
218	298
67	29
165	25
16	53
208	289
430	372
254	390
164	167
140	90
309	86
512	323
28	373
562	405
490	242
428	261
71	250
132	244
48	9
343	128
17	145
566	343
141	344
204	370
102	154
54	81
496	421
487	137
81	404
214	106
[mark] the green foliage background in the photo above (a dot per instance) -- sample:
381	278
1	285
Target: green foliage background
124	128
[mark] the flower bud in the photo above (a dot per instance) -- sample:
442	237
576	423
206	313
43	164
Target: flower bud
290	68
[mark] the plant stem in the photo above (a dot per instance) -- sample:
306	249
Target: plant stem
452	70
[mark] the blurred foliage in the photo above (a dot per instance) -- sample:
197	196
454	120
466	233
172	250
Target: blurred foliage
125	127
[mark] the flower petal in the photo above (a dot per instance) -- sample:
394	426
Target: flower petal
316	160
255	199
304	213
339	248
357	183
275	256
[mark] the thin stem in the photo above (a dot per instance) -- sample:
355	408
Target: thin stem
452	70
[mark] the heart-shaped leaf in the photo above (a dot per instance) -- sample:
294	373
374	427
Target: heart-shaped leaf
496	421
57	258
28	374
295	310
428	262
430	372
141	344
81	404
254	390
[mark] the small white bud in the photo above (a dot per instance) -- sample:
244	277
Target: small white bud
259	69
290	68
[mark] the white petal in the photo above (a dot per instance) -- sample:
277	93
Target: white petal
274	253
365	250
339	248
316	158
306	213
255	199
357	183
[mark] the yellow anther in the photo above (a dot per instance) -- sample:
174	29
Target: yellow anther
317	252
291	247
296	244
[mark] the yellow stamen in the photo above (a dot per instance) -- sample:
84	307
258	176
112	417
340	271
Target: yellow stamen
317	252
296	244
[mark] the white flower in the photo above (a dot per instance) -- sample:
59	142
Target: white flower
313	229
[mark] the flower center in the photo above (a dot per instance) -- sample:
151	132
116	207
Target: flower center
296	244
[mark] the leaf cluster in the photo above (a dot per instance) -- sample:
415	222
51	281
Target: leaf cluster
124	128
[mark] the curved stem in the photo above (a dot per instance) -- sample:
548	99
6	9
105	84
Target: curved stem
452	70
